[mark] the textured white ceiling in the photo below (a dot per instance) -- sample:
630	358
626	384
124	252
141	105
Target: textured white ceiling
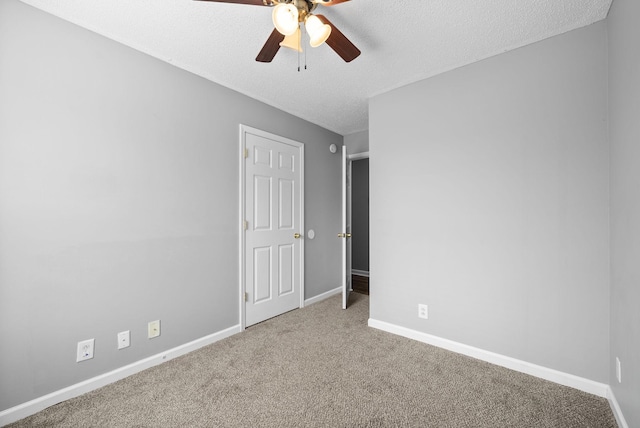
402	41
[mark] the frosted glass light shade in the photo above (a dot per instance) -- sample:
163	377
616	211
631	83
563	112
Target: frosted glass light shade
285	18
292	41
318	32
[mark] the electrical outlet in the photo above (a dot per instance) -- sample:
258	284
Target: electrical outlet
154	329
123	339
85	350
618	370
423	311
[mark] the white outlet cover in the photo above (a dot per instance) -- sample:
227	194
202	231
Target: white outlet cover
124	339
423	311
85	350
154	329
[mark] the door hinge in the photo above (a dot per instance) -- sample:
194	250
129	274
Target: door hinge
246	296
245	224
246	153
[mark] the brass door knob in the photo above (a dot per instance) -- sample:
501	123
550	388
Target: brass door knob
296	235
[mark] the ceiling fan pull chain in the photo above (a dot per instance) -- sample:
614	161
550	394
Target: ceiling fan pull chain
299	46
305	54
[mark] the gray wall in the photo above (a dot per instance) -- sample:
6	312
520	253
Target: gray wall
119	202
360	214
357	142
489	203
624	111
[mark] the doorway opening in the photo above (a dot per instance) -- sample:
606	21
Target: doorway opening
359	196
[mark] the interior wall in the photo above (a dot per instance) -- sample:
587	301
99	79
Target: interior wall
119	202
624	132
357	142
491	204
360	214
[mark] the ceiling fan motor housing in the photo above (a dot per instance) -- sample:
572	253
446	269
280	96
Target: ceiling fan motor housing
305	7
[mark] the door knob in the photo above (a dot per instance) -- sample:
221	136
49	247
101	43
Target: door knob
348	235
296	235
340	235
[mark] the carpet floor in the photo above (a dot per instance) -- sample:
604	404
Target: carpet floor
323	367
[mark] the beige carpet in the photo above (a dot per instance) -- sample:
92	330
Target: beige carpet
323	367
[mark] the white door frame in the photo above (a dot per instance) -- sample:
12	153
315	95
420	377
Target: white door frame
242	215
358	156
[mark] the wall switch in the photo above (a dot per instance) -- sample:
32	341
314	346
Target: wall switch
123	339
423	311
618	370
154	329
85	350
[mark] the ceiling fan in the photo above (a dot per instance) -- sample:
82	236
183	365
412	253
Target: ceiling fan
287	17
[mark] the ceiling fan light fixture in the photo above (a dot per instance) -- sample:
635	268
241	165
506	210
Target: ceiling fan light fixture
292	41
318	32
285	18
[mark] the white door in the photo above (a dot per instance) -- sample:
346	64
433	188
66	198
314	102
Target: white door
345	235
273	211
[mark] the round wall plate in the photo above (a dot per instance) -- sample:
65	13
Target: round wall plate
333	148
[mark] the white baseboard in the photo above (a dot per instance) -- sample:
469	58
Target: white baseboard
566	379
31	407
323	296
360	272
617	411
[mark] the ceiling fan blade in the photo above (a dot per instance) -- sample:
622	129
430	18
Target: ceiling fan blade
252	2
339	42
330	2
271	47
